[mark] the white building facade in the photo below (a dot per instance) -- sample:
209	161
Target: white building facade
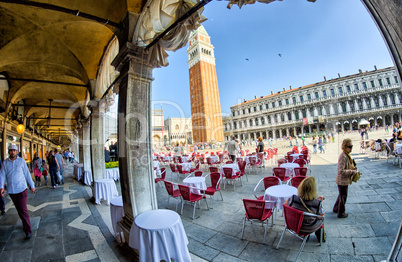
334	105
179	130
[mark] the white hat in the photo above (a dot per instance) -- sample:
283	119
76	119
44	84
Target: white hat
13	147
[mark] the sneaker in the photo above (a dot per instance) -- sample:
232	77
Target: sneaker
344	215
28	236
54	187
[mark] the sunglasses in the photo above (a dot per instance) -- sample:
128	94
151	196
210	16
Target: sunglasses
349	146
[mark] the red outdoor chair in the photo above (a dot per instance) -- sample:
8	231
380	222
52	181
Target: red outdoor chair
256	212
253	163
191	198
163	175
288	158
268	182
300	162
198	173
260	159
229	162
301	171
197	167
216	179
228	172
242	168
174	170
175	193
280	172
296	180
181	171
210	162
281	161
238	159
213	169
293	223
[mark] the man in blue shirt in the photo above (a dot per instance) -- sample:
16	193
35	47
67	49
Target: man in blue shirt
16	173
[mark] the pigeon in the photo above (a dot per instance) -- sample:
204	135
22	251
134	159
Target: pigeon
280	55
247	59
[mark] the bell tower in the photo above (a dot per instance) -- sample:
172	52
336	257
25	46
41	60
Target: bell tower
206	115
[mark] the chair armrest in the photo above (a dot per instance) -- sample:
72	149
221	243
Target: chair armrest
314	215
255	188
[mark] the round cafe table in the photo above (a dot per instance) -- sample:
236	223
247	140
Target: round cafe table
117	214
279	194
105	189
198	182
159	235
289	168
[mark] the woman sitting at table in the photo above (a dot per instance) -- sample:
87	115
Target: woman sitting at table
307	201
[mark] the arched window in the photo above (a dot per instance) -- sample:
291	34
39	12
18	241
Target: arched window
177	127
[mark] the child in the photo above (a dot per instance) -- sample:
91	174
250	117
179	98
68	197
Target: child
37	173
45	171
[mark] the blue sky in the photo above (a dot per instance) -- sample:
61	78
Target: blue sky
314	39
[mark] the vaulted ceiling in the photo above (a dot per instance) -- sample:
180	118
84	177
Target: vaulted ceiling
52	49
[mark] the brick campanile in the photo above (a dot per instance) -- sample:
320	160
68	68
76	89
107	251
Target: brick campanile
206	112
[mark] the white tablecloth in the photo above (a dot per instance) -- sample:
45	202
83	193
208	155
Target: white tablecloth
184	158
234	167
113	173
198	182
289	168
105	189
88	177
279	194
117	214
159	235
186	166
296	156
78	170
214	159
247	159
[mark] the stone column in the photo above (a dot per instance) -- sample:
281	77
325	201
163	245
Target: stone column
364	103
97	141
294	115
134	133
315	112
356	105
397	101
309	128
280	133
389	102
259	121
331	109
77	147
340	110
80	145
347	106
372	103
86	146
380	102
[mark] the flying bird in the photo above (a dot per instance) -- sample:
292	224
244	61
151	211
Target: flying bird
247	59
280	55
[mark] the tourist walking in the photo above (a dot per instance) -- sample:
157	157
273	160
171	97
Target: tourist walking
232	149
315	142
16	173
346	169
321	145
37	164
45	171
53	168
60	160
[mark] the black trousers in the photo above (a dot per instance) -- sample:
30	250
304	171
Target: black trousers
339	206
233	157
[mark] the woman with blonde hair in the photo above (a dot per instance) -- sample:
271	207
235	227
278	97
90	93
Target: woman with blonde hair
307	201
346	169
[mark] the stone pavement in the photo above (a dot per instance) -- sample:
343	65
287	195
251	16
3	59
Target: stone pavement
67	226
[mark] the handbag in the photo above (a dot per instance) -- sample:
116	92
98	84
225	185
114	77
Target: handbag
59	175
